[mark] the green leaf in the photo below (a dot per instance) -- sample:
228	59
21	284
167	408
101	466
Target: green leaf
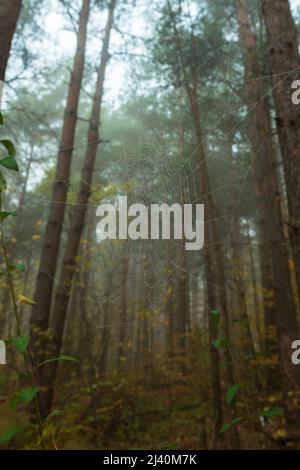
5	214
9	147
54	413
3	184
250	356
220	343
6	436
17	267
216	316
60	358
14	401
215	312
1	119
271	412
232	393
28	394
10	163
227	426
25	396
20	267
20	342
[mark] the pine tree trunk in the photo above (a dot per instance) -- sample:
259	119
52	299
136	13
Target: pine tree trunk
106	333
254	288
265	178
285	68
270	208
48	262
78	217
205	197
169	312
181	312
123	306
9	15
237	268
214	267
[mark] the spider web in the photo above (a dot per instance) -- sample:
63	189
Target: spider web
158	172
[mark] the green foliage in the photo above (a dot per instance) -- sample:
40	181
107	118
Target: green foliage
227	426
160	107
25	396
5	214
3	183
20	342
216	316
17	267
271	412
55	359
232	393
220	343
54	413
10	433
10	163
9	147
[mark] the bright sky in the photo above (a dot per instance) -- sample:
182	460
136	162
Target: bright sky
63	42
60	42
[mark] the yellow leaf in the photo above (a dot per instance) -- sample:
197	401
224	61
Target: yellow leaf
25	300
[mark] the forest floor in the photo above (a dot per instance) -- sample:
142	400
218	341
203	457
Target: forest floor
115	413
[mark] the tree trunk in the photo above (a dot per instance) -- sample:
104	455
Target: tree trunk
123	306
205	197
106	333
237	268
181	311
169	312
254	287
48	262
265	178
285	63
270	209
9	15
214	262
78	216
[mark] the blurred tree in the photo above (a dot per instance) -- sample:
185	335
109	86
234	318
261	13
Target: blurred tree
9	14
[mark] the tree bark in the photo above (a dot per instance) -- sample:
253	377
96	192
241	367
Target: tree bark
206	197
285	68
9	15
181	312
254	288
106	333
48	262
169	312
270	208
123	306
214	266
265	178
237	268
78	217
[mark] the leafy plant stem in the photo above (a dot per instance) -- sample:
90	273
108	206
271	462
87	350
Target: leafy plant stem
25	355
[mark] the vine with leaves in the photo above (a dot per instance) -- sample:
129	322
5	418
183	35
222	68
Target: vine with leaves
28	396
